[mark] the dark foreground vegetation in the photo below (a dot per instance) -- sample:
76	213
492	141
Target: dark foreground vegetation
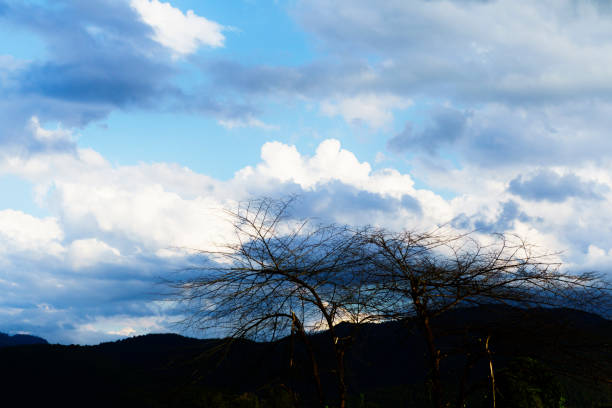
542	358
479	320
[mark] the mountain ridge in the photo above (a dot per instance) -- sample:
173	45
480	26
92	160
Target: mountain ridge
7	340
386	362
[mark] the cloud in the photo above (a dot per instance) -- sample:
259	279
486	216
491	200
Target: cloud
97	58
496	136
315	79
45	139
330	162
335	175
375	110
108	212
88	271
445	126
477	56
100	56
183	33
547	185
246	122
89	252
509	213
337	202
49	136
25	234
511	51
88	81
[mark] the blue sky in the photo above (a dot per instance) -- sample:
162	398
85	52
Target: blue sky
128	125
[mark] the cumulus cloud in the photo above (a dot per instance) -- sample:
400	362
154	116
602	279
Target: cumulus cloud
335	175
112	209
181	32
23	233
90	266
330	162
88	252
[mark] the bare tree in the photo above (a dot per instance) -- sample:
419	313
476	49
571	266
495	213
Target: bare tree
282	276
278	277
423	275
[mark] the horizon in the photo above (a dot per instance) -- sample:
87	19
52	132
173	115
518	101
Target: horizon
128	126
198	335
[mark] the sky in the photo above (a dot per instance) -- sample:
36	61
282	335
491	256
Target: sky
127	126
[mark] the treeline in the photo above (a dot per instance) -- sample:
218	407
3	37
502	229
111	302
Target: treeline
287	277
386	367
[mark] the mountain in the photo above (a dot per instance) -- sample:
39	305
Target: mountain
20	340
548	352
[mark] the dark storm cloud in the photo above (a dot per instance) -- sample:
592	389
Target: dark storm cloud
547	185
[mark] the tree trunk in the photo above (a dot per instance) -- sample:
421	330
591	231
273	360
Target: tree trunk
491	372
313	361
339	350
434	355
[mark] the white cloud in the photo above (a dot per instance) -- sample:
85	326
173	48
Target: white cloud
88	252
596	256
113	327
49	136
181	32
373	109
127	216
248	122
330	164
23	233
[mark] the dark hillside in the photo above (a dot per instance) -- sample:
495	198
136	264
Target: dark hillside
19	339
558	349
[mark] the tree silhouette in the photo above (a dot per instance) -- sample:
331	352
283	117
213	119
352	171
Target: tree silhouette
279	277
424	275
282	276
